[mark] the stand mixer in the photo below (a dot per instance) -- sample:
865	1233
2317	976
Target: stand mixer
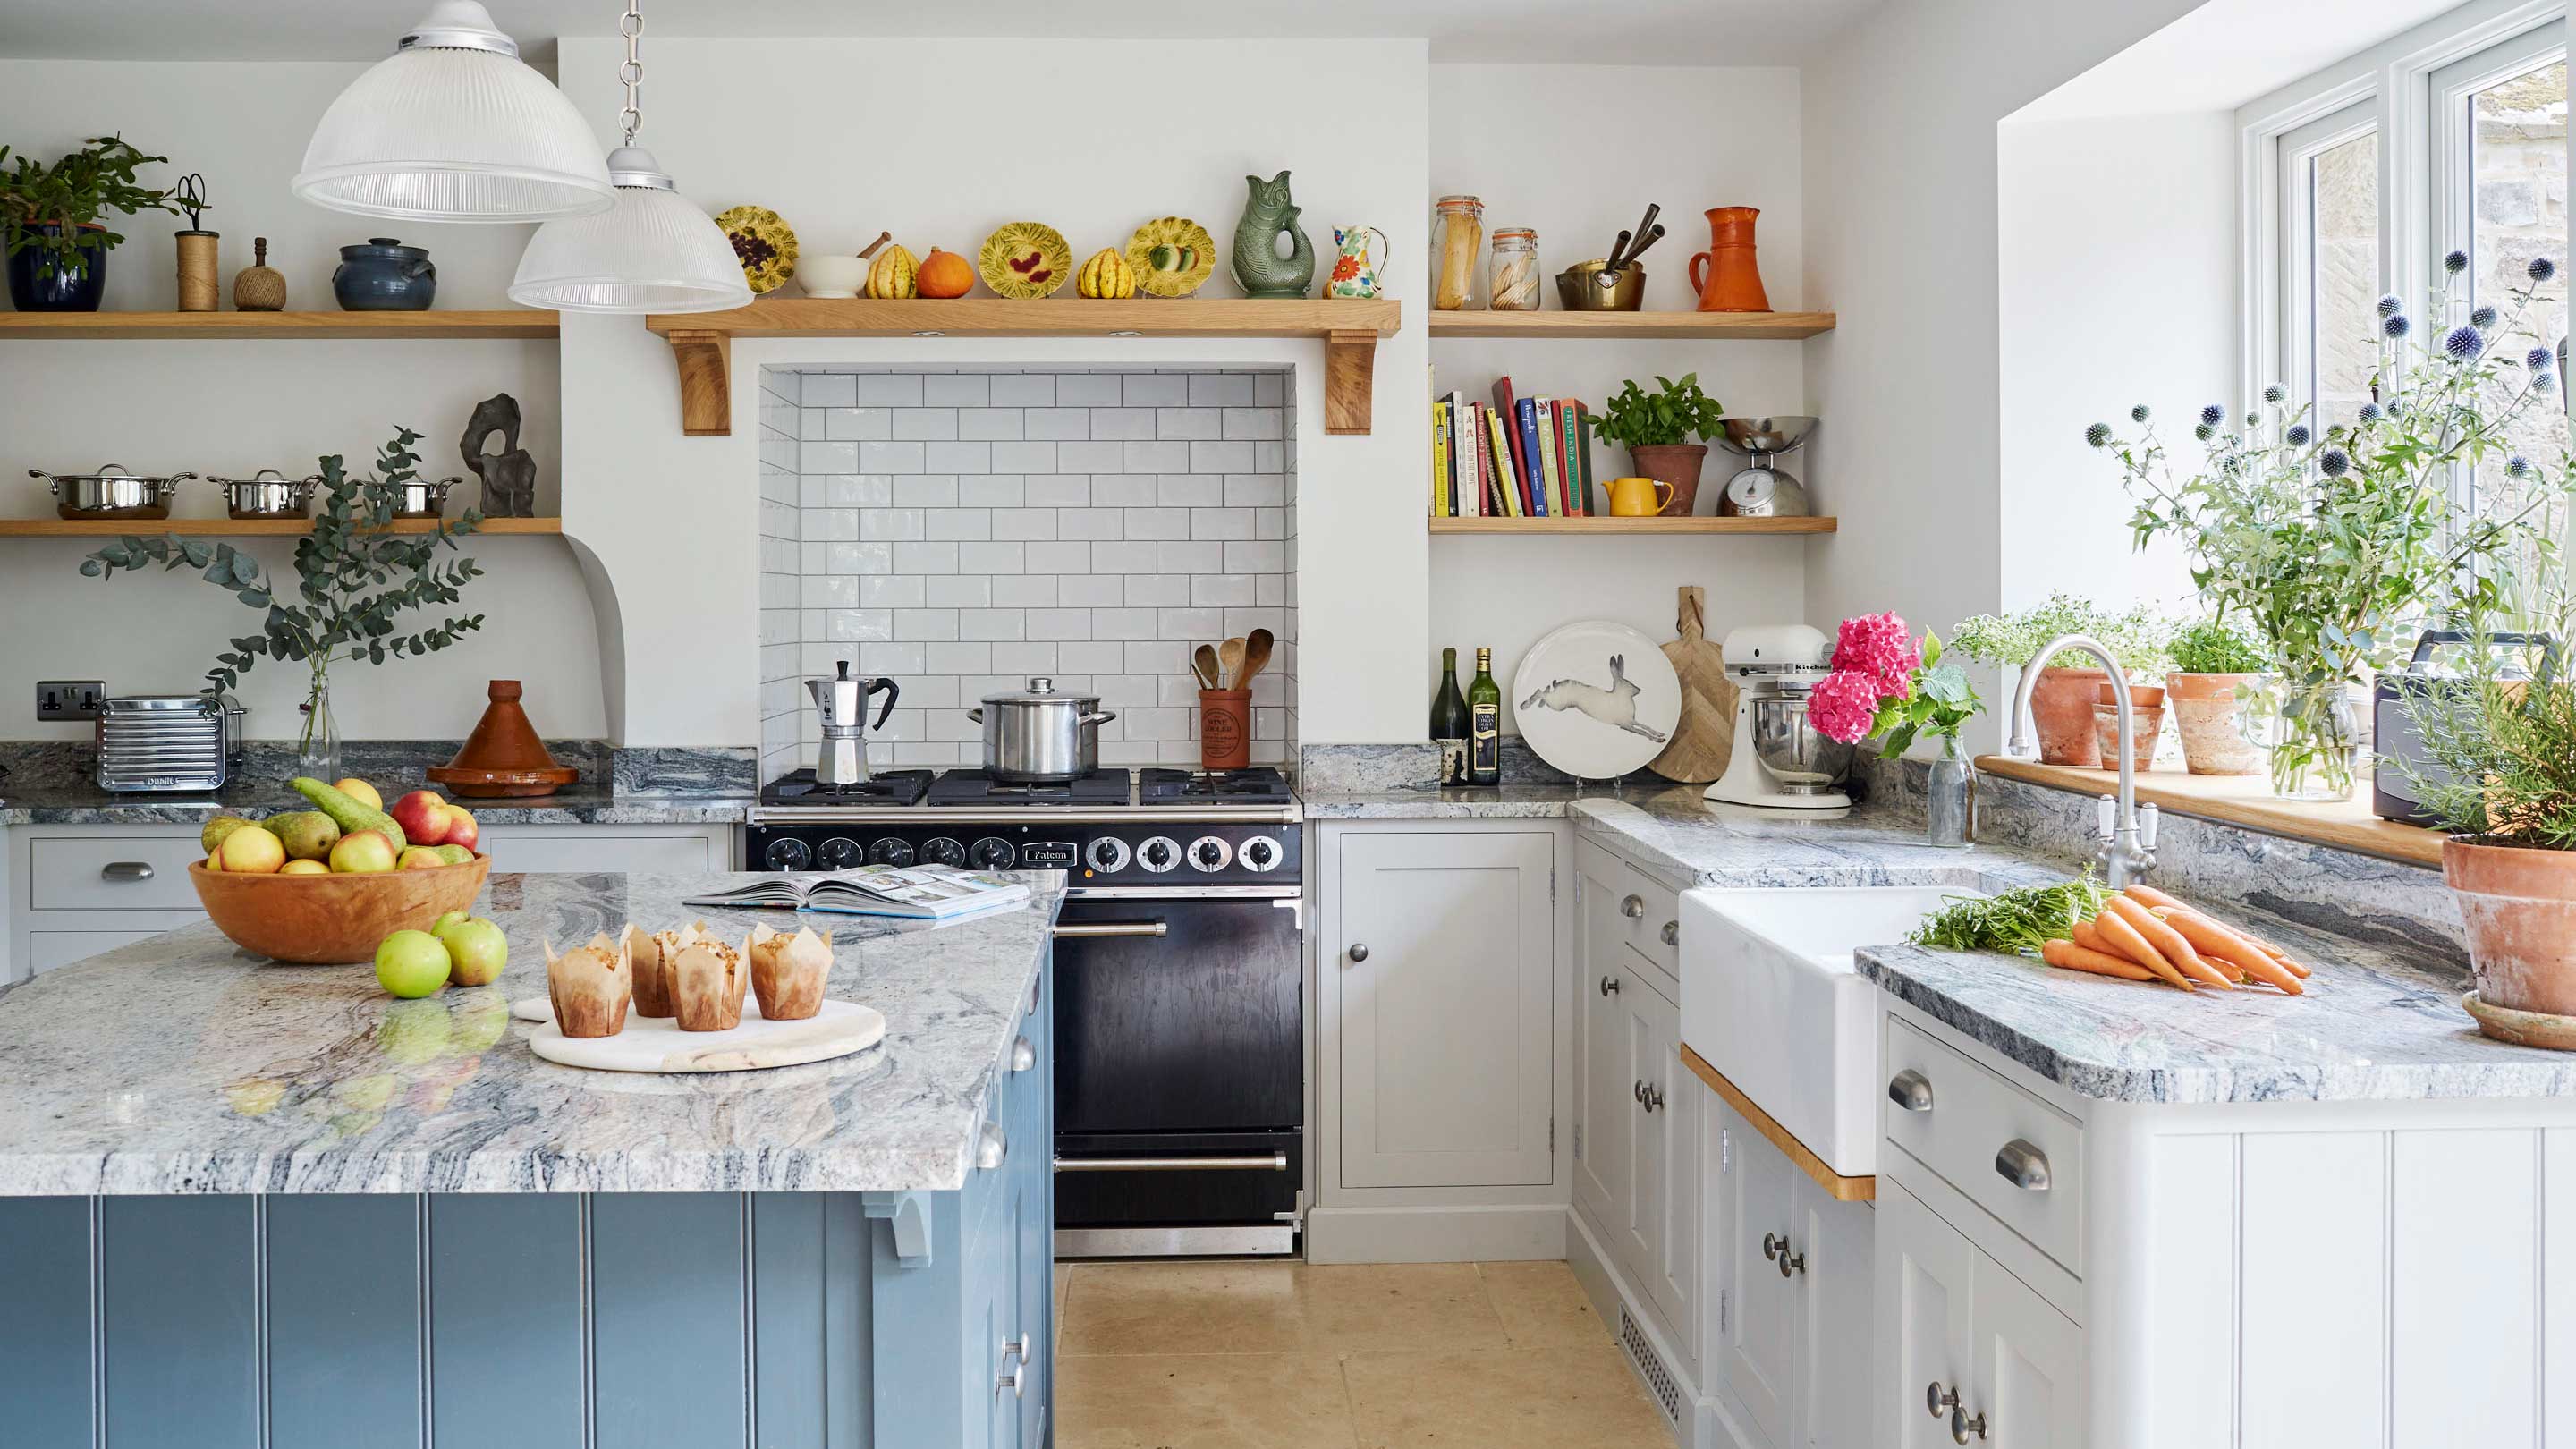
841	761
1780	761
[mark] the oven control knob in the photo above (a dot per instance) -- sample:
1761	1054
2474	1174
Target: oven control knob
1160	854
838	853
993	853
787	855
1259	855
887	850
1106	854
1210	854
941	850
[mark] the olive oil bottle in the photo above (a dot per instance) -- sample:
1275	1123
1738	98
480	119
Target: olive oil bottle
1449	728
1484	724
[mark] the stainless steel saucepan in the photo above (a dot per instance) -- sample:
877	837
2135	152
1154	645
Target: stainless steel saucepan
271	494
1040	735
111	492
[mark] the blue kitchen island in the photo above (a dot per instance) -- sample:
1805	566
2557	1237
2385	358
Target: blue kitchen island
253	1205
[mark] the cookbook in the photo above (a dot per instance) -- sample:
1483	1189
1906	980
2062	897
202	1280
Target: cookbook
916	892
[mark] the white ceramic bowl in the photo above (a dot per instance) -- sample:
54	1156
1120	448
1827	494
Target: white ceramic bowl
832	276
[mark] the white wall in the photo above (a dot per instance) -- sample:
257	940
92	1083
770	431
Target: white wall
233	408
1696	139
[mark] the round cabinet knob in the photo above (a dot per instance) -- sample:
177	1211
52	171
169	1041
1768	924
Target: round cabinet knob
1609	985
1672	933
989	1147
1358	951
838	853
1023	1055
1962	1427
992	852
788	855
1633	907
887	850
1939	1400
941	849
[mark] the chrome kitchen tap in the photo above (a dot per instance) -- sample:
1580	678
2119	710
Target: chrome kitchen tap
2129	835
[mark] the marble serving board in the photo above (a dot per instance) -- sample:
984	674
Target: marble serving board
656	1044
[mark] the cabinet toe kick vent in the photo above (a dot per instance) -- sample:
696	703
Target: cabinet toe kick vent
1650	1366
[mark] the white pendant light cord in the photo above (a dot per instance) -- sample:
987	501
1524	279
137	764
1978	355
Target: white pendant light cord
631	25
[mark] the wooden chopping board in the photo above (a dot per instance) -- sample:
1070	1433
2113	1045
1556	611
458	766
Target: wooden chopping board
656	1044
1705	737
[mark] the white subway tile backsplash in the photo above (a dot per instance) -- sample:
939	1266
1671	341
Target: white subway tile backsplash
856	558
827	458
1221	458
860	490
960	659
885	390
961	523
889	524
926	558
959	458
927	490
1195	558
1060	625
855	626
933	626
1105	656
1088	390
1157	591
1220	590
992	624
858	424
1057	424
1255	490
991	558
1025	658
887	457
1058	490
1155	390
1165	656
900	659
1158	456
1024	523
1186	490
890	591
1092	591
956	390
831	592
1121	490
823	390
1221	523
1024	390
1125	556
1156	523
1024	457
1090	457
1221	390
1269	389
1063	558
989	424
1123	624
993	490
959	591
1122	424
1024	591
1186	423
1252	558
1088	523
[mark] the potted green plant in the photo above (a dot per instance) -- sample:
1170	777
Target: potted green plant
2215	691
2333	541
2061	703
50	215
1656	429
2499	772
354	581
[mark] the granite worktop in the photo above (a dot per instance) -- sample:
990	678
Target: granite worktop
184	1065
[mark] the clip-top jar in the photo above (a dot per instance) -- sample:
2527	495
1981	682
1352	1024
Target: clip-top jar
1457	245
1514	281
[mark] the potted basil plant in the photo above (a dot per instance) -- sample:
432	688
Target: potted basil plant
50	216
1656	429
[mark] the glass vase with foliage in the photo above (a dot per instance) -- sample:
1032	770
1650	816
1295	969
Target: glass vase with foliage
48	207
355	580
2336	539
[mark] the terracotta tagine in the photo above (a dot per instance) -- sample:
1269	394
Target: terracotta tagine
2061	706
2519	905
503	757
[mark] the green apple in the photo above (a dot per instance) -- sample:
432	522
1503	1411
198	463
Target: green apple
421	857
476	945
412	963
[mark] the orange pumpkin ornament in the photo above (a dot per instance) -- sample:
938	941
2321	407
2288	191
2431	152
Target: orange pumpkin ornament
944	274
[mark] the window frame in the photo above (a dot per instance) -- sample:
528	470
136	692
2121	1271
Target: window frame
2294	255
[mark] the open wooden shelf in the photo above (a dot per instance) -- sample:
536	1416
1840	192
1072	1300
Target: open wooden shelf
523	323
1633	525
241	527
1679	326
2244	800
702	342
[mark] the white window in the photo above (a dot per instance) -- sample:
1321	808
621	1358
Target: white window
2330	260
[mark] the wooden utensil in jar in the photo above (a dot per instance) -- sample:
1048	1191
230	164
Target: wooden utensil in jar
1256	656
1229	655
1203	663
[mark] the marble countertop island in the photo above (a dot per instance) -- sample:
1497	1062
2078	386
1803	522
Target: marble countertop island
184	1065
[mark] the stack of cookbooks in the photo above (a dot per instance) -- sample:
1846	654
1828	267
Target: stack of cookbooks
1516	457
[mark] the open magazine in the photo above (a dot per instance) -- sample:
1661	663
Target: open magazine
918	892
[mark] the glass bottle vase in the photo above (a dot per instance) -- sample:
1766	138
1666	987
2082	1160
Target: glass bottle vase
2317	742
1950	797
317	741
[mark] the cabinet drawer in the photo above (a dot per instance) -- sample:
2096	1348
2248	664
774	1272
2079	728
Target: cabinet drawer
112	872
574	851
1973	1118
1649	931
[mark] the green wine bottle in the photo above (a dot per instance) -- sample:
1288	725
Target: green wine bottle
1449	722
1484	724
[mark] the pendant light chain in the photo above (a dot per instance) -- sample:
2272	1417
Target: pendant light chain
631	25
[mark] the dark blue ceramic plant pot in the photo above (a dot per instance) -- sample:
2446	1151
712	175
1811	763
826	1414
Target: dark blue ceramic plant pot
34	288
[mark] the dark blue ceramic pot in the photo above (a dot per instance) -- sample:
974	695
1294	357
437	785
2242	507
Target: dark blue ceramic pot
384	276
34	288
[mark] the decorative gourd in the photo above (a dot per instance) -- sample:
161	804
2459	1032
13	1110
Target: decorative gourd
946	274
1106	276
893	274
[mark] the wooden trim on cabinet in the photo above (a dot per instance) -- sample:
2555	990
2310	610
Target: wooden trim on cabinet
1836	1186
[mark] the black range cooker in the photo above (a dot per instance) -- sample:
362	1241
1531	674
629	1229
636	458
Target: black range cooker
1180	1048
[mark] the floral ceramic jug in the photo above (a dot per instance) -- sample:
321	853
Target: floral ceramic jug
1354	275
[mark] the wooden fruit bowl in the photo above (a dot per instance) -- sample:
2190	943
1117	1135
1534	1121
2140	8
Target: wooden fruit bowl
332	919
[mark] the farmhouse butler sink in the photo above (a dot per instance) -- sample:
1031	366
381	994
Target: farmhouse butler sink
1770	998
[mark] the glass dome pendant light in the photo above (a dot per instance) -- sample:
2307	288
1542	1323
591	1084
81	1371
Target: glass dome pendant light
454	127
650	252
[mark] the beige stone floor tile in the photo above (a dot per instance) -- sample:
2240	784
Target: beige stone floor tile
1358	1307
1541	1305
1547	1398
1203	1401
1184	1308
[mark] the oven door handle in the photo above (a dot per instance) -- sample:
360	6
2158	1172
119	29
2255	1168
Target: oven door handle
1089	930
1263	1162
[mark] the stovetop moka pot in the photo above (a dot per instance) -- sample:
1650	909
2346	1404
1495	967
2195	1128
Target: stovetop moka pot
843	700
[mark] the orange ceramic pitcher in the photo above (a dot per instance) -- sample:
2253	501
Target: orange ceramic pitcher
1732	281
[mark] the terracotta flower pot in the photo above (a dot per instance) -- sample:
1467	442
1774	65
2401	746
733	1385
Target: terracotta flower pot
1678	464
2209	714
2146	706
2061	705
2519	905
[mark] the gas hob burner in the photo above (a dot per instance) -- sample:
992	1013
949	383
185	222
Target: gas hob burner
978	787
1259	785
893	787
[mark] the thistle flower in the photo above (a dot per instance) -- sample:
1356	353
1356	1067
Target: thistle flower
2098	434
2394	325
2296	435
2275	393
2540	269
2483	319
2455	262
2516	466
2464	343
2539	359
2369	413
2389	306
2138	414
2333	462
2213	415
2204	432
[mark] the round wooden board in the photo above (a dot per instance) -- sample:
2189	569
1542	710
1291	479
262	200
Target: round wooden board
656	1044
1705	738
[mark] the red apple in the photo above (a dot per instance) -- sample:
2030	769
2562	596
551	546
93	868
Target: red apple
424	817
421	857
462	828
362	852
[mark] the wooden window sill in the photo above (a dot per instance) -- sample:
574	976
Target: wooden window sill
2246	801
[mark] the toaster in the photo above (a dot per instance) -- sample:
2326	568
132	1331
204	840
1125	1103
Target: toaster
164	743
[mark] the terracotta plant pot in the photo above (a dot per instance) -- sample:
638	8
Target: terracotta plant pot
2061	706
2147	706
2519	905
2209	714
1676	464
335	919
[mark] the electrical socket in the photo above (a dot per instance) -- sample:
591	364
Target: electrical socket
69	698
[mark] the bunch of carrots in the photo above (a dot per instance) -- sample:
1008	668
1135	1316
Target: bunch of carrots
2142	934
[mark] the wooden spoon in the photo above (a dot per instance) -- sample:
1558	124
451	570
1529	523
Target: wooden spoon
1256	656
1230	654
1204	664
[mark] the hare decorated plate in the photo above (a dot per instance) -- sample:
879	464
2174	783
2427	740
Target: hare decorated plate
762	242
1172	255
1596	699
1025	259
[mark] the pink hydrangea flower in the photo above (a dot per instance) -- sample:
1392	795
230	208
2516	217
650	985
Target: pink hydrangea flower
1880	646
1843	705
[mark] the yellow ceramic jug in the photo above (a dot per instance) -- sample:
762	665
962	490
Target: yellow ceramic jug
1636	497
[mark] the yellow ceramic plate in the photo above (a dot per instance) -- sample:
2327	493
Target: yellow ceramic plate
1025	259
762	242
1172	255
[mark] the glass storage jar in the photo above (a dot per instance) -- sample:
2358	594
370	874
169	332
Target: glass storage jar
1513	283
1457	246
